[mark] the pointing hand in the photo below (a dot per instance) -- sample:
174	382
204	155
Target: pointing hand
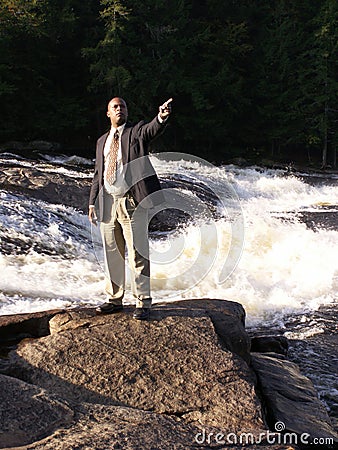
165	109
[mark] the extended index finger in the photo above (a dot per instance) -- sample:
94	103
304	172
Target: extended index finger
167	102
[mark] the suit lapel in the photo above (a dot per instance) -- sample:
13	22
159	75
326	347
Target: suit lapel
125	143
101	155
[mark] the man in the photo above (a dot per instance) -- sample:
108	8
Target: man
124	186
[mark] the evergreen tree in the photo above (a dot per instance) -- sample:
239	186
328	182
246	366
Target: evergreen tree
246	77
19	35
141	56
184	49
42	74
319	84
283	41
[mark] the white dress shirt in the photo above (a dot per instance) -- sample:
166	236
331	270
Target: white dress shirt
119	187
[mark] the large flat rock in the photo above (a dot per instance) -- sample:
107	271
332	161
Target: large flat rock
179	381
174	365
227	317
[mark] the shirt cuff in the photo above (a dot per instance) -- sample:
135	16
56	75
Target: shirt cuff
160	118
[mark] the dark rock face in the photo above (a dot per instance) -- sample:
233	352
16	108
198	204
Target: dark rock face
266	344
14	328
31	324
291	399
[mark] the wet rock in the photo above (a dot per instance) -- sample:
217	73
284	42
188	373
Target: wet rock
28	413
44	181
44	146
320	351
47	186
239	161
291	401
275	344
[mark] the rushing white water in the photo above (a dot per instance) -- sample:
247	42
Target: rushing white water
277	240
48	261
285	266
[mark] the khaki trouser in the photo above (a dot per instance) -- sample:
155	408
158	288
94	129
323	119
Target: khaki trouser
124	224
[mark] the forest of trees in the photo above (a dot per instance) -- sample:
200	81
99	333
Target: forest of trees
250	78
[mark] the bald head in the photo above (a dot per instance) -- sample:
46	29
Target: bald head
117	111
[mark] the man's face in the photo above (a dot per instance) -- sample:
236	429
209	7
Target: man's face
117	111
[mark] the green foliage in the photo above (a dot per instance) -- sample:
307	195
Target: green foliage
319	83
155	50
248	78
40	87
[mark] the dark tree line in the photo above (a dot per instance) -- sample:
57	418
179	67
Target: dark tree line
250	78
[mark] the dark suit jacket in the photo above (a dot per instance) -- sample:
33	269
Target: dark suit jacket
140	174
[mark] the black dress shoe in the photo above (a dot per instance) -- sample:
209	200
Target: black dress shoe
109	308
141	313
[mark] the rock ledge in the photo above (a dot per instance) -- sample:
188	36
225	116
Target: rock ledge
99	382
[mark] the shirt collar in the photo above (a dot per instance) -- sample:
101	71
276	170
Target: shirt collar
119	129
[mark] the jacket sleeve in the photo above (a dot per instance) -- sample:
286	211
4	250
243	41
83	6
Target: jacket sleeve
150	130
95	187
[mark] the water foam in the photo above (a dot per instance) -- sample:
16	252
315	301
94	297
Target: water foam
285	266
47	260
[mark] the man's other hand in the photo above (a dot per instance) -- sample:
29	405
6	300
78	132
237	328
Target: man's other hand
92	215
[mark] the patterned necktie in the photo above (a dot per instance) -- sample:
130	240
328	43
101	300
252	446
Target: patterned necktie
112	158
